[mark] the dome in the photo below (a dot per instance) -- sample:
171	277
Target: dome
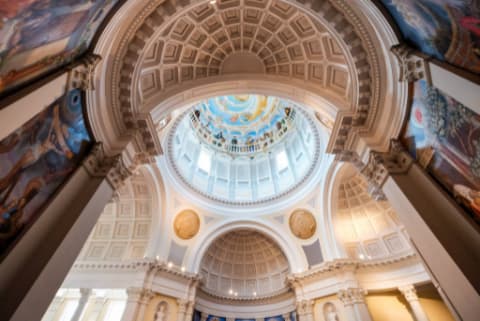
244	264
243	149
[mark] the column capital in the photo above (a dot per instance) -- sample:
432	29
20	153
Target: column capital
409	292
351	296
82	75
380	164
114	168
412	65
305	307
84	292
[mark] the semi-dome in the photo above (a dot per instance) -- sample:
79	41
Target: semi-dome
244	149
244	264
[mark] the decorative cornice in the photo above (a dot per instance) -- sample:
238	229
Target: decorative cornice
342	265
412	66
260	300
380	165
148	266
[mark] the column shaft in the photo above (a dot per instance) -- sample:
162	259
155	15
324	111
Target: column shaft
445	239
28	285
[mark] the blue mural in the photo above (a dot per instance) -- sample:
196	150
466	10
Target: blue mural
444	136
36	160
448	30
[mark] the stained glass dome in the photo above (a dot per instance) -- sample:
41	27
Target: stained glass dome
243	149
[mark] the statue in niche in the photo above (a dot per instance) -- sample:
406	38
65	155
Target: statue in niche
161	313
330	312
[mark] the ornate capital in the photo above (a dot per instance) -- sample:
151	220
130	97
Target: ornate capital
395	161
352	296
305	307
412	66
82	75
409	292
115	169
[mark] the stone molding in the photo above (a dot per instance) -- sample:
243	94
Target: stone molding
247	301
345	265
412	66
134	266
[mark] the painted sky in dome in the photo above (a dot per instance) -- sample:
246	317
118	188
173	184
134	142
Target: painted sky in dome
242	115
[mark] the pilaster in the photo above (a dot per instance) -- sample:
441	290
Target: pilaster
305	310
410	295
353	300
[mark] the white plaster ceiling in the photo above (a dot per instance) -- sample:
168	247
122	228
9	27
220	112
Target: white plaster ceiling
123	229
367	228
244	264
213	39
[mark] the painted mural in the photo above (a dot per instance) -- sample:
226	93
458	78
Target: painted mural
448	30
36	159
444	136
37	36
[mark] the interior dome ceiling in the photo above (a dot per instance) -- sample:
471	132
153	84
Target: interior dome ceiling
242	124
211	39
243	149
244	264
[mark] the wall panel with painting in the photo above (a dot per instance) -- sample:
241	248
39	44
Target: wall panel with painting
36	160
39	36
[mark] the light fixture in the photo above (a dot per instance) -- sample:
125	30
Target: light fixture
183	269
361	256
236	293
254	293
213	2
158	258
230	291
170	264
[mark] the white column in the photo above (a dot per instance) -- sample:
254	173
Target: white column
96	310
305	310
28	286
410	295
447	242
182	309
52	311
354	302
82	302
189	312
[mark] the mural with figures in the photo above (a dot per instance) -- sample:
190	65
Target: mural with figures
36	36
448	30
444	136
197	316
36	159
